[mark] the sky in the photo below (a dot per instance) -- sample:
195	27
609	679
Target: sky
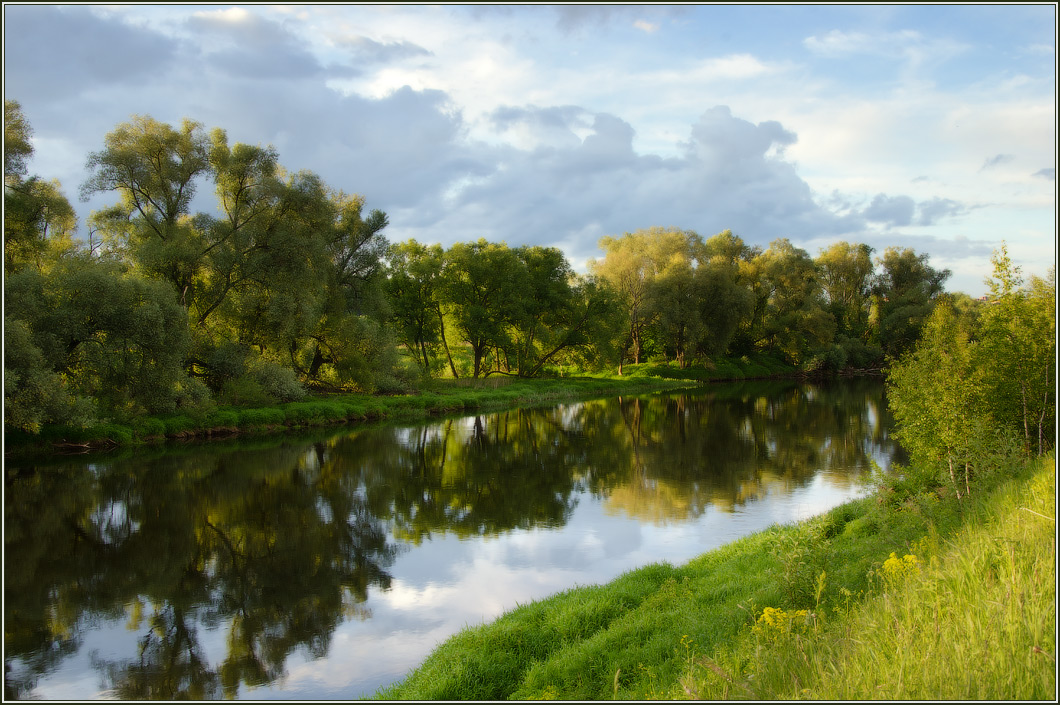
924	126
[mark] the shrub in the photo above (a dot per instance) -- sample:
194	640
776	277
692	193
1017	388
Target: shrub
278	382
150	427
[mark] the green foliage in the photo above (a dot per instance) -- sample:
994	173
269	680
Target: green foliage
38	220
413	282
34	393
282	270
905	291
973	383
1018	348
789	314
483	283
111	335
799	560
845	271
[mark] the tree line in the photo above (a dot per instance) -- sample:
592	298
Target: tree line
291	285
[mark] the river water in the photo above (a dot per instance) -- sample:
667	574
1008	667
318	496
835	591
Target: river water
327	565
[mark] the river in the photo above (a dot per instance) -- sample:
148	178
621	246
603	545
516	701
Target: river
325	565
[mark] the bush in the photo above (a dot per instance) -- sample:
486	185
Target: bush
244	391
179	424
217	419
150	427
278	382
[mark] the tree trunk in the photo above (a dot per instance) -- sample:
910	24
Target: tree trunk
445	343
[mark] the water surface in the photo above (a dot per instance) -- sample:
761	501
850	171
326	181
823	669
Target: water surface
327	565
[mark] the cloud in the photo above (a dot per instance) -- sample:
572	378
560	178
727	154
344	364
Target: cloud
996	160
369	51
569	192
65	51
931	211
532	127
252	46
906	44
890	210
899	211
1047	173
645	26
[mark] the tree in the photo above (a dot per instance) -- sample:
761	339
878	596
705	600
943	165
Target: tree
937	396
111	335
483	284
38	220
279	279
413	281
845	272
34	393
83	334
904	291
1018	352
724	302
788	314
154	169
631	265
562	315
672	295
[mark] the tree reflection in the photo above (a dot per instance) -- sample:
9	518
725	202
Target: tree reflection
274	547
279	557
478	476
670	457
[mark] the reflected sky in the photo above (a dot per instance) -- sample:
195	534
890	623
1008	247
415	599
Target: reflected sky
329	568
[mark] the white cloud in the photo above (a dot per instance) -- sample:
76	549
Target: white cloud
904	44
464	122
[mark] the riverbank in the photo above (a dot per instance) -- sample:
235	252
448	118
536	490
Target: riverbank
443	397
904	594
436	398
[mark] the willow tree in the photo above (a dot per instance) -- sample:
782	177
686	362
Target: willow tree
632	265
561	315
904	294
483	285
39	221
413	280
789	314
283	280
724	300
84	335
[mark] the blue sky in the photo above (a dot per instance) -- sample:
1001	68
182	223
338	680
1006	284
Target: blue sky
923	126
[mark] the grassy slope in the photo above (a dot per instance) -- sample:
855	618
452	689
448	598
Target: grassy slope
976	620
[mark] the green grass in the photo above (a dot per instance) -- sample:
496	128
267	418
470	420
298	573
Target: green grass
976	620
724	369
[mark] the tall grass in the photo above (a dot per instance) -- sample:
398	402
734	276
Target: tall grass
977	621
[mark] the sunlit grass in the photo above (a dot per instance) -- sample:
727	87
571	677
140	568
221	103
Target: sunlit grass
976	622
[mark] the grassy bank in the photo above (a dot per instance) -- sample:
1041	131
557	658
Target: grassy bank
901	595
439	398
435	398
727	369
